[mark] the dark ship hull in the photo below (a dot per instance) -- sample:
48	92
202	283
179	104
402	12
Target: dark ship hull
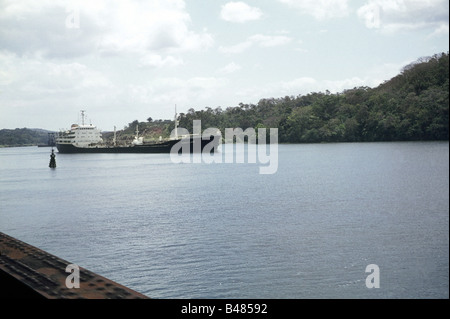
192	144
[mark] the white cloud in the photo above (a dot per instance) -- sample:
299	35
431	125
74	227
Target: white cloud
142	57
269	41
157	61
443	29
34	91
298	84
237	48
392	16
38	28
35	79
230	68
337	86
240	12
60	89
109	27
259	40
170	91
320	9
305	85
373	77
142	26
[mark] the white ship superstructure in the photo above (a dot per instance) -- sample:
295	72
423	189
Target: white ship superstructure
80	135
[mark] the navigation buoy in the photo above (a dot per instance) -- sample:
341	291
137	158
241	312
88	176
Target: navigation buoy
52	160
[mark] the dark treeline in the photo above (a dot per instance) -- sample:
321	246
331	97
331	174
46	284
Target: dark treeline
414	105
23	137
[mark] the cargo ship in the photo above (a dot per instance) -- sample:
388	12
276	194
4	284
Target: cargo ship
86	138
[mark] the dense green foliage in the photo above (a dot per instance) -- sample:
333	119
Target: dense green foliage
414	105
23	137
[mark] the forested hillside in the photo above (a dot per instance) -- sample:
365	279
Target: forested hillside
414	105
23	137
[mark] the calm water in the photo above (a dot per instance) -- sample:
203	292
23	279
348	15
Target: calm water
225	231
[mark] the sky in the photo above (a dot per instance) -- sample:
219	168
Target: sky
122	61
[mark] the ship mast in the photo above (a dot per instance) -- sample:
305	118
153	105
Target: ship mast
82	117
114	139
176	123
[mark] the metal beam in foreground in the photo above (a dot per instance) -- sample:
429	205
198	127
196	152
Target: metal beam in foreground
29	272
